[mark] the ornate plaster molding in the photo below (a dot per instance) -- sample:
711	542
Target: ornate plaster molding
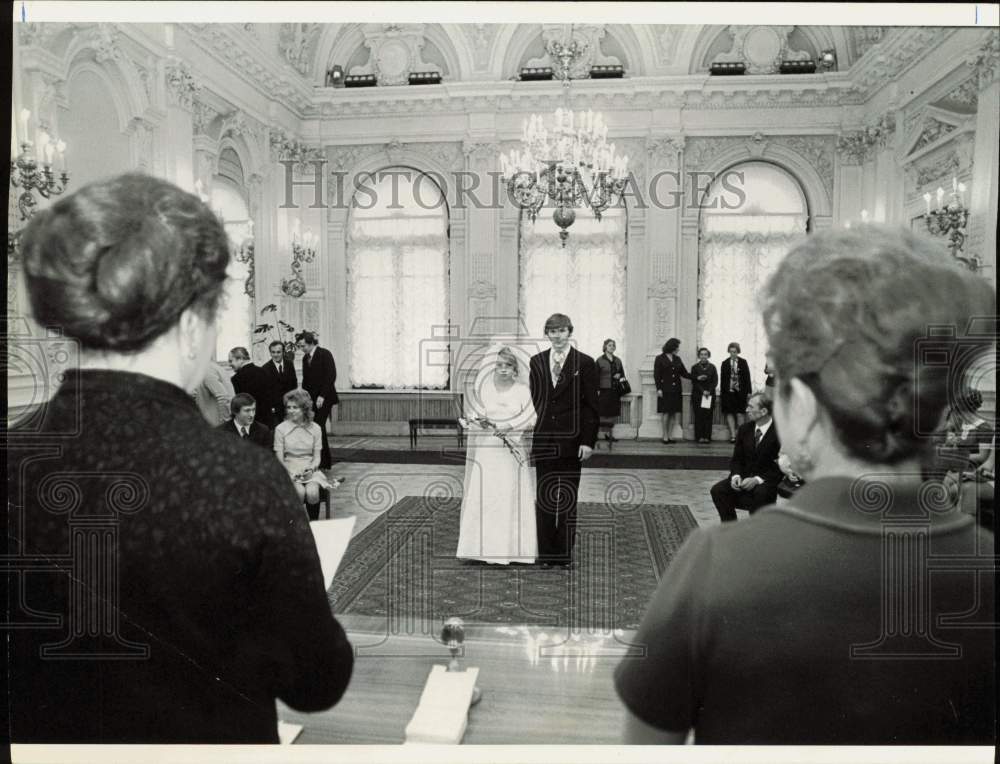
395	53
761	48
482	290
986	60
182	87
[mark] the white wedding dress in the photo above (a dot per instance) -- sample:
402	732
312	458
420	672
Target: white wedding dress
498	503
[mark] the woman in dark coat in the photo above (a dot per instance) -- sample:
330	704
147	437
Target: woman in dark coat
704	379
734	376
609	371
667	372
201	577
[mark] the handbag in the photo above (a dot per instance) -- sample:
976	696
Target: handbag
622	387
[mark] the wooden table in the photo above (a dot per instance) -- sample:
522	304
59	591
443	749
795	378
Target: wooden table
534	693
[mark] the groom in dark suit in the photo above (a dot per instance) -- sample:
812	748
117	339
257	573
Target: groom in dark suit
753	470
281	378
319	373
564	390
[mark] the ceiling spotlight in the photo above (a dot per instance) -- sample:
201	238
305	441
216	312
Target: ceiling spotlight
334	77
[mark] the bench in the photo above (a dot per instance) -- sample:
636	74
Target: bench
435	423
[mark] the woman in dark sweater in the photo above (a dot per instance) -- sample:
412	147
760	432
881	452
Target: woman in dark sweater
177	561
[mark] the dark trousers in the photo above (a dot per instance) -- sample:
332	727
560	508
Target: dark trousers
555	508
702	419
320	417
727	500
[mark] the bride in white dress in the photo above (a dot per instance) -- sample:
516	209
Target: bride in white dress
498	503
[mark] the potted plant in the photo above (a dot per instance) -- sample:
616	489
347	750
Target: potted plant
281	331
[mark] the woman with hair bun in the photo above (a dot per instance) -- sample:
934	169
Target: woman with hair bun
182	583
796	627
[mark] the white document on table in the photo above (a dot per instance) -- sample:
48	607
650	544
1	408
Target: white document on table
443	710
287	732
332	538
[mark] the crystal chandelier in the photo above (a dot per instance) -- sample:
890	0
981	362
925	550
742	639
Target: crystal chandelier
570	163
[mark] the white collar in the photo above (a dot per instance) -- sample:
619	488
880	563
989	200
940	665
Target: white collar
764	427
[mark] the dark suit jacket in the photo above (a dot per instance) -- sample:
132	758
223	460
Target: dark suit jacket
667	373
251	379
278	385
319	377
742	373
259	433
567	413
761	461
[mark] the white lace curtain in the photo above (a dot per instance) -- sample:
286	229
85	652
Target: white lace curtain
397	286
738	254
585	279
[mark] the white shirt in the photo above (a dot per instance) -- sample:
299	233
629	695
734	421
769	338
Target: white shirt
764	428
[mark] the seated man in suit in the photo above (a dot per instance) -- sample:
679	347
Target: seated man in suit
753	470
243	408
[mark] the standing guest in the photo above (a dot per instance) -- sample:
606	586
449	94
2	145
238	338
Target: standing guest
249	378
197	601
734	375
243	424
704	379
280	375
563	384
319	375
831	597
754	473
667	372
214	394
610	372
298	443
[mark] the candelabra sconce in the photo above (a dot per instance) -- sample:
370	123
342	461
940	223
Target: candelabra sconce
27	174
303	251
453	636
951	220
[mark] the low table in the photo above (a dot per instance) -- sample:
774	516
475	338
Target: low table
429	423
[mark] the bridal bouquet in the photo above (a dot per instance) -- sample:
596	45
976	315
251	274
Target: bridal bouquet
503	435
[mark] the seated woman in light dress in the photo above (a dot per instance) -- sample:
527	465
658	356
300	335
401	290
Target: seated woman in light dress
498	504
298	443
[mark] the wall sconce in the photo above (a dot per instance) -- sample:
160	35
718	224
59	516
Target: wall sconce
27	174
303	251
827	60
950	220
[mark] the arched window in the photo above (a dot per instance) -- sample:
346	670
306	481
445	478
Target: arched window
752	215
230	203
397	280
585	279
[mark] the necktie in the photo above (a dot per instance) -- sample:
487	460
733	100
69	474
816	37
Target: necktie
305	361
556	369
757	435
244	433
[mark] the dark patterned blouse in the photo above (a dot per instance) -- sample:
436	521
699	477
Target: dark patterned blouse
174	589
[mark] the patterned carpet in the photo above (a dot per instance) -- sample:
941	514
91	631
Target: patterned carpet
403	567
